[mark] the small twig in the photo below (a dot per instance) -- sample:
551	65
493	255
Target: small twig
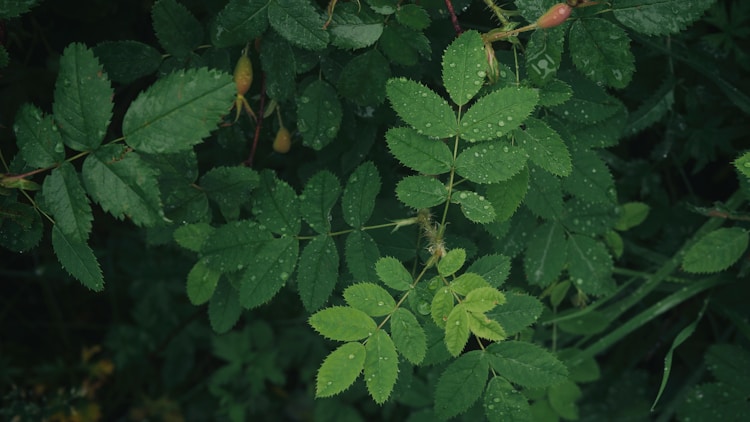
454	18
259	122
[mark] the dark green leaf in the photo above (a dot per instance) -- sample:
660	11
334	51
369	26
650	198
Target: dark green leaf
464	67
83	99
506	196
77	258
659	17
193	236
421	191
393	274
413	16
403	45
38	138
518	312
178	31
408	336
590	265
544	54
545	196
239	22
545	147
126	61
65	198
631	215
461	384
474	206
590	103
224	309
359	194
317	200
504	403
268	271
353	29
14	8
591	219
318	115
545	254
299	23
555	92
231	247
498	113
178	111
491	162
526	364
363	79
495	269
361	253
342	323
276	205
123	184
318	272
381	366
601	51
716	251
340	369
279	67
229	188
20	226
201	283
590	179
421	108
418	152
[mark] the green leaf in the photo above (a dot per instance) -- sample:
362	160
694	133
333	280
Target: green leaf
318	272
504	403
384	7
421	191
545	254
591	219
83	99
491	162
318	115
381	366
715	401
659	17
123	184
474	206
361	253
413	16
369	298
342	323
544	147
38	138
742	163
393	273
20	226
276	205
232	246
240	21
601	51
653	109
590	265
178	31
299	23
77	258
229	188
494	269
498	113
464	67
441	306
544	54
317	200
631	215
403	45
193	236
506	196
729	363
590	103
419	152
224	308
359	194
340	369
278	60
201	283
457	330
526	364
178	111
554	93
563	397
125	61
452	262
483	299
14	8
66	200
363	79
467	282
485	328
716	251
268	271
518	312
352	29
590	179
461	384
545	197
408	336
421	108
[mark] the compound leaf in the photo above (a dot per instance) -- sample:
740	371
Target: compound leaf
716	251
526	364
421	108
178	111
381	366
343	323
340	369
464	64
318	272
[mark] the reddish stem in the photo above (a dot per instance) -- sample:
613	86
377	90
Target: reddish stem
259	122
454	18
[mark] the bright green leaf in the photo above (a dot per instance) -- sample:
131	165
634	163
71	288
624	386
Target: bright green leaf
504	403
318	272
483	299
201	283
464	67
498	113
363	79
340	369
38	138
441	306
526	364
716	251
421	108
491	162
545	254
590	265
408	336
659	17
83	99
359	194
467	282
317	200
545	147
318	115
178	31
240	21
418	152
393	273
461	384
453	260
178	111
381	366
342	323
268	271
127	60
421	191
601	51
369	298
457	330
229	187
361	253
276	205
742	163
484	327
66	200
77	258
299	23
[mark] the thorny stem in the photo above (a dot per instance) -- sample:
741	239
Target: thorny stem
454	18
259	122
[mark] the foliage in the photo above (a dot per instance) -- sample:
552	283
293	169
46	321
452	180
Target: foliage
477	218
